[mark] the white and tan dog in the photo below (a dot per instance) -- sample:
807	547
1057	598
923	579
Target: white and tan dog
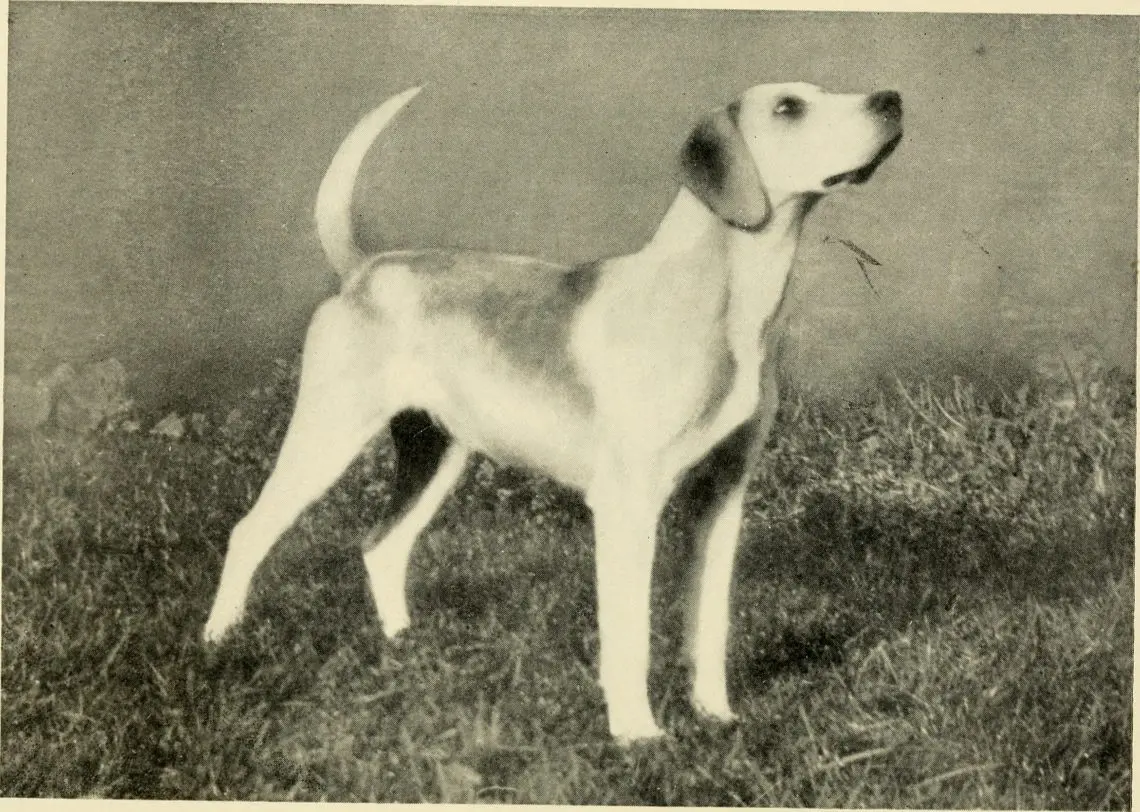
615	377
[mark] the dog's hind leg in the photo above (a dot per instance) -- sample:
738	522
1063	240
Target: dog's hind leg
428	464
336	414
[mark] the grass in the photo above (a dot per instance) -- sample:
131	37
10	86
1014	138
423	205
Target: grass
932	608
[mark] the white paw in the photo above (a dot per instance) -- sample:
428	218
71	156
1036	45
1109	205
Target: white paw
715	706
710	697
722	713
627	732
392	610
218	625
393	626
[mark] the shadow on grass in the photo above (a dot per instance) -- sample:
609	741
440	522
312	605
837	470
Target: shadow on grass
851	568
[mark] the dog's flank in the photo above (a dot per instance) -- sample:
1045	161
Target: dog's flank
617	377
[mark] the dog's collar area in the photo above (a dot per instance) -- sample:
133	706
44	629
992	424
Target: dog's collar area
747	228
863	173
804	203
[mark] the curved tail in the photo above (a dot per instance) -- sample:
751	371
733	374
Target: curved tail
334	198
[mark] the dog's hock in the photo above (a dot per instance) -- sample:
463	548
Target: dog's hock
717	167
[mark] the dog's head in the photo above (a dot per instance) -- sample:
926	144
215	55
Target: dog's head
778	142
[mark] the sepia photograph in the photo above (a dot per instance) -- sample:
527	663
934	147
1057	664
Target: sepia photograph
569	405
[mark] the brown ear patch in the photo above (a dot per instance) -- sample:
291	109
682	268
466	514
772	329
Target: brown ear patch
717	168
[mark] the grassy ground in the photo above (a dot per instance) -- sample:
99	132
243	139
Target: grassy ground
933	607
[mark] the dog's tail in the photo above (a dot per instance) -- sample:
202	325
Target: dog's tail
334	198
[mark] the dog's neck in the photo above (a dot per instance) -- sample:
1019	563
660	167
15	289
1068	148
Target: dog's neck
761	266
689	225
752	268
709	288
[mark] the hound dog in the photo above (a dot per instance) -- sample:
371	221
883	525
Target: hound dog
616	377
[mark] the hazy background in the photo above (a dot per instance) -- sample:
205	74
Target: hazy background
163	159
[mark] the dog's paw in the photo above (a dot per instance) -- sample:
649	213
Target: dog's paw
394	628
394	618
211	635
632	739
631	731
718	711
217	627
710	699
725	716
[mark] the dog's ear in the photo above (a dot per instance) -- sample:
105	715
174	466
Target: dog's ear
717	167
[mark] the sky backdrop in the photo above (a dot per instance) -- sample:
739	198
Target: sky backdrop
163	160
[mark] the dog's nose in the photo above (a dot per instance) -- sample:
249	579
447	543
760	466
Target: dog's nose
886	103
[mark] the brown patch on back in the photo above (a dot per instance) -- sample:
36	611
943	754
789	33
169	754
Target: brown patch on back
524	306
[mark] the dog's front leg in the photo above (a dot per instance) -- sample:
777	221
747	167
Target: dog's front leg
626	510
709	606
714	496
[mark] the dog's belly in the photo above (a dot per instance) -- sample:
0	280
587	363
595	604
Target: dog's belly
517	421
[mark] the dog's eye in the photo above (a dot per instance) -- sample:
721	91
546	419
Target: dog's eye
789	107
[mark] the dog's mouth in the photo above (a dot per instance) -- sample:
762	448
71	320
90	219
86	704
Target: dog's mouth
863	173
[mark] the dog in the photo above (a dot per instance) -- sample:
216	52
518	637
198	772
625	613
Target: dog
616	377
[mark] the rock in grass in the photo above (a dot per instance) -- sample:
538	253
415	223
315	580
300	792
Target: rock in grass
171	426
92	397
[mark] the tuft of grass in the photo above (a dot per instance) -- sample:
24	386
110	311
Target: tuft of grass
932	608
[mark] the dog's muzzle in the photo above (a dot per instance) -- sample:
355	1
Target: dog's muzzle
863	173
887	107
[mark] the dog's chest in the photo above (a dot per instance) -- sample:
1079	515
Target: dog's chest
732	395
745	353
